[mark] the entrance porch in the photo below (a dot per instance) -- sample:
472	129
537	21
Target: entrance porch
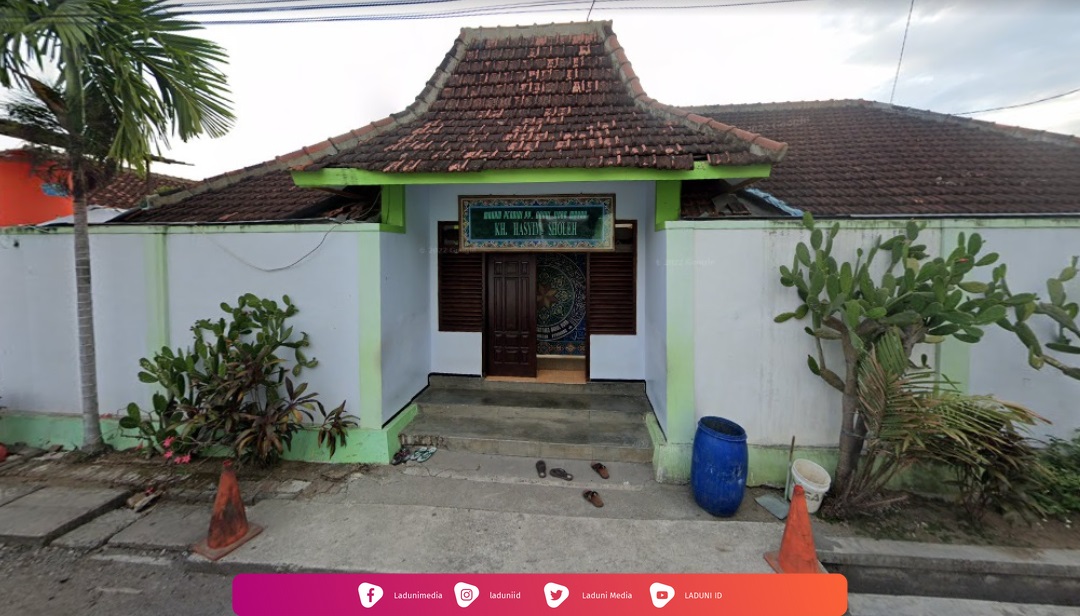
602	421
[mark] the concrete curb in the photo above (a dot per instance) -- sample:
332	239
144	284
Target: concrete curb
1015	575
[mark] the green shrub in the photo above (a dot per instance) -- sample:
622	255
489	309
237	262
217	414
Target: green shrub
232	389
1060	493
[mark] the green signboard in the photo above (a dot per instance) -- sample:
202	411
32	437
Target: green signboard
537	223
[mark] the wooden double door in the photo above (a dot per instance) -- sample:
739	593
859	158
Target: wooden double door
510	315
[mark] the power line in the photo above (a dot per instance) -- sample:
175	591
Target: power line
903	44
1017	105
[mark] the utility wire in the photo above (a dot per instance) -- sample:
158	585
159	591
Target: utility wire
1018	105
903	44
587	16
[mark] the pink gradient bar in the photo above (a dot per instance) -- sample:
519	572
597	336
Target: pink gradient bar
500	594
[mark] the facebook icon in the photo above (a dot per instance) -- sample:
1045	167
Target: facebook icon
369	594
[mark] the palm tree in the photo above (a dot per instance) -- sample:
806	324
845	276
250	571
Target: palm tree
128	78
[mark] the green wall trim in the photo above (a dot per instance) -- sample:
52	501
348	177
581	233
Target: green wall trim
671	461
370	316
207	229
681	386
668	202
368	446
156	264
44	429
959	224
361	177
392	213
768	465
953	357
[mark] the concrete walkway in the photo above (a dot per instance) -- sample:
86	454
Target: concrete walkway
463	512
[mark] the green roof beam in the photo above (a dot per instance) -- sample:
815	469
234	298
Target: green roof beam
359	177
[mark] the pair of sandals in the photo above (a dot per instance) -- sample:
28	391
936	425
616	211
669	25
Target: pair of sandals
423	454
590	495
542	472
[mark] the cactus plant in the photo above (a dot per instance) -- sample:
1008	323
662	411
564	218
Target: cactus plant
915	297
1059	309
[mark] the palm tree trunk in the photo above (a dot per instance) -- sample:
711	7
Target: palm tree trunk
84	306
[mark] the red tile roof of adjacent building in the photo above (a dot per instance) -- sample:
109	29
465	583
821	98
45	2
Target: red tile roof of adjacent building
127	190
856	157
553	96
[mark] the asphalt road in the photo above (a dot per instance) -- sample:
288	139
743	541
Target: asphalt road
52	582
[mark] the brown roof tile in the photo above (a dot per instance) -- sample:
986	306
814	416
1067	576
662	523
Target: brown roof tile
858	157
561	95
127	189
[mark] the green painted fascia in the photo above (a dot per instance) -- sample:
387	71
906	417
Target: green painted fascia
953	356
315	227
668	202
959	224
679	279
370	315
367	446
361	177
363	446
671	461
44	429
156	264
392	213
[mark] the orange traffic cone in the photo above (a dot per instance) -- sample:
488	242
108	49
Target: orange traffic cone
797	553
229	528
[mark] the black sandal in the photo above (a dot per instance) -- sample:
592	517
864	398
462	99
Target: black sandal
561	474
541	469
401	456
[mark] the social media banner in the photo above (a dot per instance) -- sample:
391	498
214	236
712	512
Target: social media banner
553	594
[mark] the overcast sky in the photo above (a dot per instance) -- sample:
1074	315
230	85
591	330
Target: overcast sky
296	84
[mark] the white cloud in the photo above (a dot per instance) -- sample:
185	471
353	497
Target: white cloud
295	85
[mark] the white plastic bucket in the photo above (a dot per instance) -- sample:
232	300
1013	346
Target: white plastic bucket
814	479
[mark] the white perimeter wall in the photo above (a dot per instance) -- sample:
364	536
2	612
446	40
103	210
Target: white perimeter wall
654	271
753	371
38	344
39	361
406	311
611	357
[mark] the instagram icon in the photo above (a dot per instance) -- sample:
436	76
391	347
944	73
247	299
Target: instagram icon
465	594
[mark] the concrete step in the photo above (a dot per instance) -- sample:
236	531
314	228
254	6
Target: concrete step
566	407
614	437
611	388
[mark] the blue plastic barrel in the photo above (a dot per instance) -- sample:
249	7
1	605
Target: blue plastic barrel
718	467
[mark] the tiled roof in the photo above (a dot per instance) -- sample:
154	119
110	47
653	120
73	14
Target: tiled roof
127	189
560	95
266	197
857	157
584	108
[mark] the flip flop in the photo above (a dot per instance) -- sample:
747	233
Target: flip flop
561	474
541	468
401	456
426	454
593	497
600	469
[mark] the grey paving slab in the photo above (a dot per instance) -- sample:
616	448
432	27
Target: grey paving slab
390	539
96	532
900	605
169	526
10	492
44	514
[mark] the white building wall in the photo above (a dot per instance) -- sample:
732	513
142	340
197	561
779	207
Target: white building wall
406	311
39	361
209	268
999	362
753	371
654	328
611	357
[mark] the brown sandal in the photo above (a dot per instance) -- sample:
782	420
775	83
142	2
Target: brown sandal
600	469
593	497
